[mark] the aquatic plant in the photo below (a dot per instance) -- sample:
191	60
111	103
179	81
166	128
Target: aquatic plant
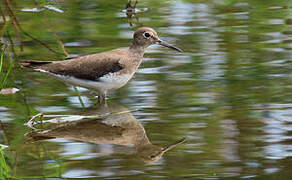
3	75
5	170
1	61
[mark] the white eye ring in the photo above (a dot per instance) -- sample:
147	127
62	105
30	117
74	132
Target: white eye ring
147	35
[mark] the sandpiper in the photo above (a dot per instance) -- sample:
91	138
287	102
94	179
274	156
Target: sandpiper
104	71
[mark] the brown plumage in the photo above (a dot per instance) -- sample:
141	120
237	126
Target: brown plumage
102	71
90	67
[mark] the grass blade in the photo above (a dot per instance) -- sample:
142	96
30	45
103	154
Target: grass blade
5	77
3	80
1	61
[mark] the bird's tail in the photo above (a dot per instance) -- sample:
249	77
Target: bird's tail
33	64
34	136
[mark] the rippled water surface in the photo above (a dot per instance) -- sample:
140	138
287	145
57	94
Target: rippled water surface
229	94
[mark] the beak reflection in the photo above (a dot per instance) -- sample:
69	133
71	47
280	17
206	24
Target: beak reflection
169	147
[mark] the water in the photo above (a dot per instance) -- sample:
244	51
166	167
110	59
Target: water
229	93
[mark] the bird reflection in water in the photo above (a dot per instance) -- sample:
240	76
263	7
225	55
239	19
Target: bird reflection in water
113	124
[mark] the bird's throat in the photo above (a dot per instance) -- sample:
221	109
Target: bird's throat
138	49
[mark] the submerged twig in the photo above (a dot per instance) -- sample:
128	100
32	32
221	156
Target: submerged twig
15	23
52	29
32	121
65	118
56	35
28	35
39	41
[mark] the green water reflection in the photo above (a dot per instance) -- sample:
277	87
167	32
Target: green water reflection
229	94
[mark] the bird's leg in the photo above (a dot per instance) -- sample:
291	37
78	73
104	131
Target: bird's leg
101	98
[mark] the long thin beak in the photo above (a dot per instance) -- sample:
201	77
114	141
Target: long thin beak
165	44
169	147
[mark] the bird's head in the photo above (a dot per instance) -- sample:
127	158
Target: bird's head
146	36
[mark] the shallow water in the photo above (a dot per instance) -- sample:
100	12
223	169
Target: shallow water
229	93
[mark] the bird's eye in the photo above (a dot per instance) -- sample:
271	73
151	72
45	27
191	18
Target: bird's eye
152	156
146	35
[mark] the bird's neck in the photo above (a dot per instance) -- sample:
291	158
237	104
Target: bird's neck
142	141
137	49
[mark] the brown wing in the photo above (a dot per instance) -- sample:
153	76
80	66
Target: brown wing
90	67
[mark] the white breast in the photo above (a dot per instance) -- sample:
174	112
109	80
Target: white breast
114	80
107	82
